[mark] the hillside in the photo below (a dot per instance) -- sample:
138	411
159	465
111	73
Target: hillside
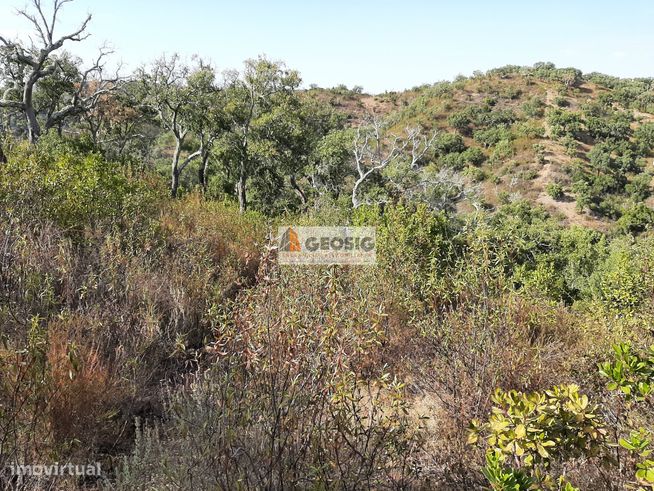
509	114
499	335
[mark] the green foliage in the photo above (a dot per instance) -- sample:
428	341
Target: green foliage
640	187
474	174
534	107
446	143
331	160
630	372
618	282
57	181
491	136
644	136
534	430
502	150
636	219
555	190
616	126
529	129
602	184
564	123
639	443
473	156
502	479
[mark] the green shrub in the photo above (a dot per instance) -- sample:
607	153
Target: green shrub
503	150
618	283
492	136
532	431
640	187
447	143
561	102
555	190
55	181
534	107
473	156
564	123
474	174
636	219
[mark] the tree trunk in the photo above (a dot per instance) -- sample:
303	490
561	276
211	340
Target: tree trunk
33	128
240	189
298	191
174	184
3	158
355	199
174	171
203	172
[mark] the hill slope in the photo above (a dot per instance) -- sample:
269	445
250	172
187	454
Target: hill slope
580	145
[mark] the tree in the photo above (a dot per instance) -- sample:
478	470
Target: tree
177	94
26	66
331	161
374	150
120	125
207	119
259	102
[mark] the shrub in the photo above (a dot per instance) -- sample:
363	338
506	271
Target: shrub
564	123
636	219
640	187
555	190
532	431
473	156
561	102
534	107
449	143
296	389
56	182
631	372
618	283
529	129
539	150
503	150
492	136
475	174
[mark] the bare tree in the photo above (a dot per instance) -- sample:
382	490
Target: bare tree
442	190
27	65
374	150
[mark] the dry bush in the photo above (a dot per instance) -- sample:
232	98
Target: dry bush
291	400
90	328
507	341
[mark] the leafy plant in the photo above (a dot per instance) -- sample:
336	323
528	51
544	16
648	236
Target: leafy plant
555	190
632	373
533	430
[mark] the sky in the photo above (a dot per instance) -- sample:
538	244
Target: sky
379	45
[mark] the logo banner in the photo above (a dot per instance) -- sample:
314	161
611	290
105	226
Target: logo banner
327	245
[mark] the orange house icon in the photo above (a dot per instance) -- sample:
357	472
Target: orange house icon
290	241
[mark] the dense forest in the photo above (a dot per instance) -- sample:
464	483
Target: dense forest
502	341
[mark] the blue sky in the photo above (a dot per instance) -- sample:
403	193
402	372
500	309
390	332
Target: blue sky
380	45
